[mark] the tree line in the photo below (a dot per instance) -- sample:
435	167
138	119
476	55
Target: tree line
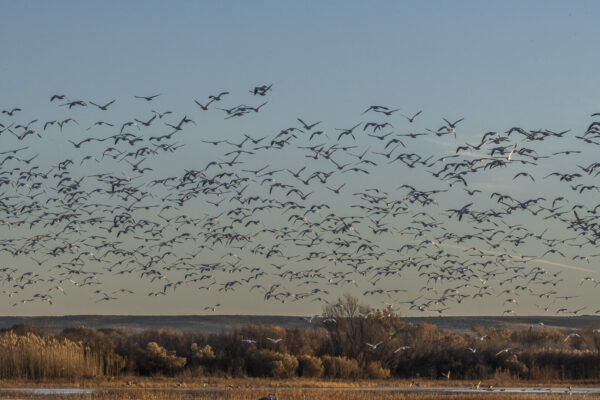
349	341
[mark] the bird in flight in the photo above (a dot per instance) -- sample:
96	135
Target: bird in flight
373	346
511	153
217	97
571	336
104	107
204	107
11	112
505	350
147	98
212	308
58	97
452	124
412	119
401	348
261	90
160	116
376	109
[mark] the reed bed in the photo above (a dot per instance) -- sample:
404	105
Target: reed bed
286	394
35	357
166	383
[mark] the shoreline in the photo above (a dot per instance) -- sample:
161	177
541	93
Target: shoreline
136	382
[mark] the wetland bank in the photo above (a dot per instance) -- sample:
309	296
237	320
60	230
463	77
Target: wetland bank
349	342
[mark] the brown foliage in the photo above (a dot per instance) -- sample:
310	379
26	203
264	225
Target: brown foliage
269	363
310	366
341	368
157	359
341	348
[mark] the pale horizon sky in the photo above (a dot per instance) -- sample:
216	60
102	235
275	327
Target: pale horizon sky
496	64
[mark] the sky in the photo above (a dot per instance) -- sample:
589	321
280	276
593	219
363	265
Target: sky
497	64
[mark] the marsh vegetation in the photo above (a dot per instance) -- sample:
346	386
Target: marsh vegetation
349	341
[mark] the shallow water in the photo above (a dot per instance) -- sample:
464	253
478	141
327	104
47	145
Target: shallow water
51	390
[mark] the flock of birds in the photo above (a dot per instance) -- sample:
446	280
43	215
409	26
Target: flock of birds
402	348
298	213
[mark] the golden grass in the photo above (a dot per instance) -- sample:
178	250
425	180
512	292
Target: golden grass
159	382
283	394
34	357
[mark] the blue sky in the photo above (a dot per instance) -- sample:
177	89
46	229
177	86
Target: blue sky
523	61
498	64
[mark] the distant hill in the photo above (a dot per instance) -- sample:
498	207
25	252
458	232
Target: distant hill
219	323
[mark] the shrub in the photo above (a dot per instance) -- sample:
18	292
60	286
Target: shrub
24	329
157	359
309	366
270	363
540	352
515	366
376	371
201	355
202	360
341	367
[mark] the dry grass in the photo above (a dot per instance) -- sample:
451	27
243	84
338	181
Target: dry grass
156	383
283	394
35	357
